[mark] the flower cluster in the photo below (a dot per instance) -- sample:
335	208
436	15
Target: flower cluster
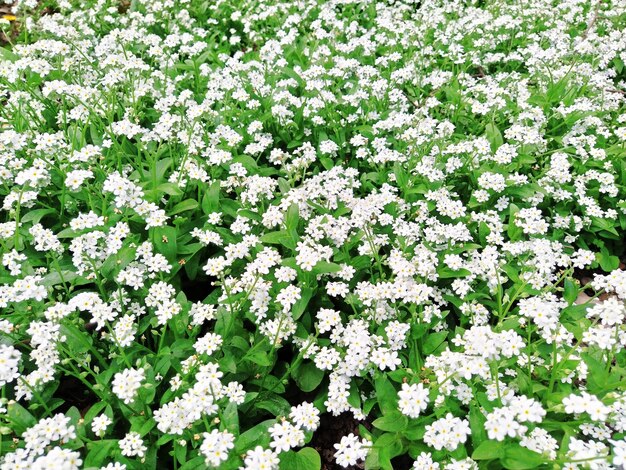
227	226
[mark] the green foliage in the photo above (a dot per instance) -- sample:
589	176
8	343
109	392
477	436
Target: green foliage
225	225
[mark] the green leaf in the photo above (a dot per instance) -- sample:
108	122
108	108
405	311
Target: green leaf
327	163
6	54
433	341
194	464
248	162
94	411
98	452
164	439
180	452
119	261
165	242
251	215
283	185
36	215
183	206
275	404
392	422
20	417
300	306
512	273
389	446
324	267
354	398
513	230
275	238
402	178
54	278
305	459
255	436
517	457
161	167
489	450
230	418
556	90
74	414
211	199
493	135
598	377
386	394
258	356
170	189
146	427
292	218
307	376
607	262
477	425
570	291
76	339
447	273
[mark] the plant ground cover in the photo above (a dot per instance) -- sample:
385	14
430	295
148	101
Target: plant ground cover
312	234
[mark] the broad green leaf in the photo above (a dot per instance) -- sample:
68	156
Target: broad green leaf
513	230
402	178
55	277
494	136
305	459
165	242
6	54
170	189
183	206
275	404
386	394
20	417
477	425
259	356
94	411
517	457
180	453
230	418
488	450
570	291
324	267
307	376
291	221
36	215
300	306
193	464
99	452
255	436
275	238
211	199
433	341
392	422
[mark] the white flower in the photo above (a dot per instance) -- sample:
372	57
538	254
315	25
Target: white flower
619	452
9	362
306	416
350	450
259	458
412	399
285	436
126	384
99	424
132	445
216	445
447	433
